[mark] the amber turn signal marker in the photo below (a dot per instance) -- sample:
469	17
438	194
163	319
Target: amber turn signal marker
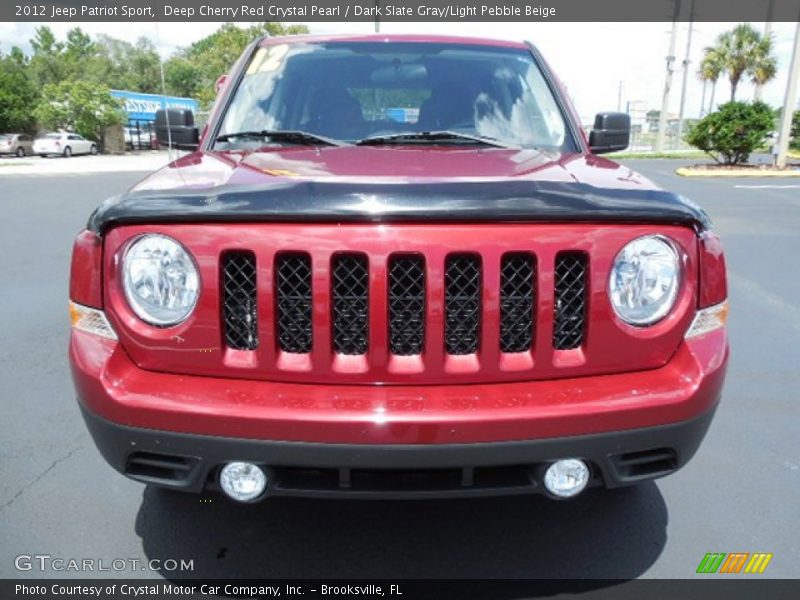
709	319
90	320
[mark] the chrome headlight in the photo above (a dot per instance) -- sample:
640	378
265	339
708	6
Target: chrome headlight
644	280
160	279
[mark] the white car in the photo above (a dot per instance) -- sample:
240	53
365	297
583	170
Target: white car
138	139
63	144
18	144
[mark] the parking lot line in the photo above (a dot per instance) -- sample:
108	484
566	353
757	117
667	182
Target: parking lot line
767	187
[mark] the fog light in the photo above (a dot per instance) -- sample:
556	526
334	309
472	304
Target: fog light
243	481
566	478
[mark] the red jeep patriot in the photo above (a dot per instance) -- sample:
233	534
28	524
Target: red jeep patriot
393	266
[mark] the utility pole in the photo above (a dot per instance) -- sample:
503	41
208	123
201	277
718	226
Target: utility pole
619	97
789	102
767	33
662	118
703	99
685	73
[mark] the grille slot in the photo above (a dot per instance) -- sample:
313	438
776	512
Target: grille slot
350	283
294	305
239	305
462	303
406	305
569	322
517	298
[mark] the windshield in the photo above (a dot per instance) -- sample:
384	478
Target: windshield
350	91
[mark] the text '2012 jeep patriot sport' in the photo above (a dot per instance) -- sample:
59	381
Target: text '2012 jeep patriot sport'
393	266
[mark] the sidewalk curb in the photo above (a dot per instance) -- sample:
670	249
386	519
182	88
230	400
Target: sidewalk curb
690	172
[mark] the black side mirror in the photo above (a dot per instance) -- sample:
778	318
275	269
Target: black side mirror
611	133
175	128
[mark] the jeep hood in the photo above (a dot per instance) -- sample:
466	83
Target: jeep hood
389	184
388	164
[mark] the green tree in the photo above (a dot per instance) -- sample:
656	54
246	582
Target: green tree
711	67
111	63
18	94
105	61
79	53
733	132
122	65
182	76
193	71
81	106
794	139
144	67
744	50
47	62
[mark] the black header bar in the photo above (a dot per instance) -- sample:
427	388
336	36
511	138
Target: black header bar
699	588
397	10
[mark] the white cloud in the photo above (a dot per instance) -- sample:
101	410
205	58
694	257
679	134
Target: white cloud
591	58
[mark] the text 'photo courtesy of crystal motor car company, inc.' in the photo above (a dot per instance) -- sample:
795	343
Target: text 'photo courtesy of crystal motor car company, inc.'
394	266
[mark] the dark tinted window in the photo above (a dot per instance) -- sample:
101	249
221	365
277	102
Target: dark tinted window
353	90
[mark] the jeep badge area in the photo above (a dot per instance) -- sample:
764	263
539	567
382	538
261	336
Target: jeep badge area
394	266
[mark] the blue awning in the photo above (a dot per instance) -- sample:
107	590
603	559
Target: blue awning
143	107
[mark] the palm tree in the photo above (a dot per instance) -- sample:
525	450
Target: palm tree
711	68
766	66
744	50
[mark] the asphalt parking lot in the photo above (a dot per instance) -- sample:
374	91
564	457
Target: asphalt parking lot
741	492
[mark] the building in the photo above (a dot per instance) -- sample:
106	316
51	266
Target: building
141	110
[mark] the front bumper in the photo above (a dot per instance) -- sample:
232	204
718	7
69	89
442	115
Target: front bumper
176	430
191	462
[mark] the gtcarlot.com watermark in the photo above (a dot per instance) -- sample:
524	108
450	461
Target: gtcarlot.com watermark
49	563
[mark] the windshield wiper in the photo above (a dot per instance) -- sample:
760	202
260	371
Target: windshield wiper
291	136
431	137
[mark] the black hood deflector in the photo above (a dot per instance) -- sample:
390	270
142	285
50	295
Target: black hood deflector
504	201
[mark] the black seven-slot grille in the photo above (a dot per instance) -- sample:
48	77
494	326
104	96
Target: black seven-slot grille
462	303
239	300
569	320
517	299
350	291
293	289
406	305
407	293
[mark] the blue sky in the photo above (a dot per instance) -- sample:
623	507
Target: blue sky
633	53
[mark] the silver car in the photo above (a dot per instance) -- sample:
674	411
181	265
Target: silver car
63	144
19	144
